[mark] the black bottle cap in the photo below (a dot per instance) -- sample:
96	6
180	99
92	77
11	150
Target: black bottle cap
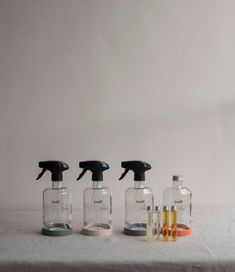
177	178
96	167
138	167
55	167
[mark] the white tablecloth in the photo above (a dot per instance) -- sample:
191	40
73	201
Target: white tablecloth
211	247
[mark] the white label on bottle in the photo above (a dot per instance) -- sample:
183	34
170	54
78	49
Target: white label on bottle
178	201
55	201
140	201
98	201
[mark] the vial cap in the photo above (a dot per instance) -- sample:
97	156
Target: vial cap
165	209
173	208
177	178
157	208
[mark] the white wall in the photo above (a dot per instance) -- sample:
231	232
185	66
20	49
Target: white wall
117	80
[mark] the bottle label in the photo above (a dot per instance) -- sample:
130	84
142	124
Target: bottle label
140	201
98	201
178	201
55	201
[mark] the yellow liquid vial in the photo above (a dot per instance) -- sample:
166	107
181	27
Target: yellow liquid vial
165	223
173	223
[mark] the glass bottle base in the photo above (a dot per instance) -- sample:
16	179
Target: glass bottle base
137	229
57	229
97	229
183	230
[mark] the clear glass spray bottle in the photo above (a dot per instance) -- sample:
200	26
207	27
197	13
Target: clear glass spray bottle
97	201
57	201
137	198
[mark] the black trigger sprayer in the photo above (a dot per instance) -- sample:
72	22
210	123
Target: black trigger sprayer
55	167
138	167
96	167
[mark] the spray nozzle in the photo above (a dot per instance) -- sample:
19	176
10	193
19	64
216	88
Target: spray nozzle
55	167
96	167
138	167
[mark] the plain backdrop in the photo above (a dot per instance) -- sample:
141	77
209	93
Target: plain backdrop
115	80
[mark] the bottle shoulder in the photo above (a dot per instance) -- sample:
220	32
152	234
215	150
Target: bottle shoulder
177	190
103	190
186	190
145	190
61	190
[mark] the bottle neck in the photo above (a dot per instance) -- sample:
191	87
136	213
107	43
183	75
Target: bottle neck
177	184
97	184
56	184
139	184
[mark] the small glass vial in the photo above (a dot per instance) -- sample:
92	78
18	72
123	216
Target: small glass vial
149	225
157	223
165	223
173	223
